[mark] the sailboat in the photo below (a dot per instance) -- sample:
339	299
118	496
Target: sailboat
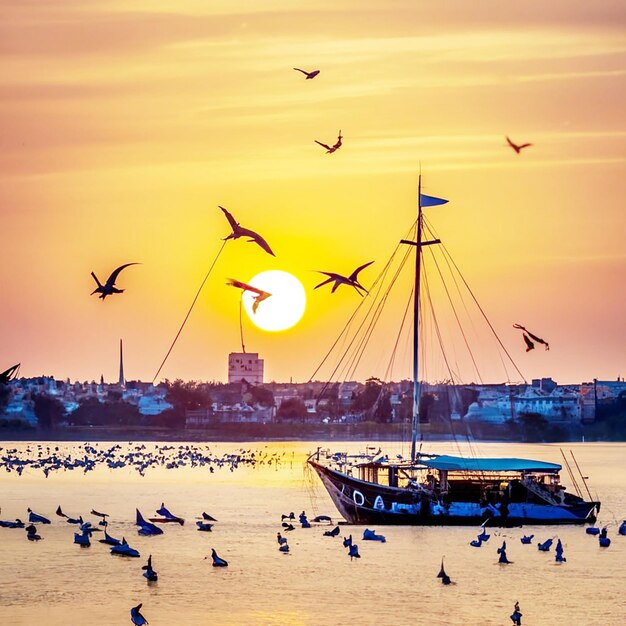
439	489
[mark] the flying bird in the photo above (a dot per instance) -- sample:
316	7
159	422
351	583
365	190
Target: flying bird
309	75
240	231
136	617
517	148
109	287
260	294
529	338
351	280
333	148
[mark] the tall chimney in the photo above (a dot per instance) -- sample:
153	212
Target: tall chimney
122	381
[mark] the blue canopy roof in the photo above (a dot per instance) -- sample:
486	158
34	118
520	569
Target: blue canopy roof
459	463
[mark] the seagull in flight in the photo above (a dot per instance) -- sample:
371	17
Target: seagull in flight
309	75
529	338
517	148
333	148
109	287
240	231
351	280
260	294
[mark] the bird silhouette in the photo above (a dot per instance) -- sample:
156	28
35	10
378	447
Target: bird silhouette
351	280
334	147
260	294
445	579
149	573
109	287
240	231
217	560
529	338
516	147
136	617
309	75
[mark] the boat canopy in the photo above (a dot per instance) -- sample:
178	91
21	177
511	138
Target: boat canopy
459	463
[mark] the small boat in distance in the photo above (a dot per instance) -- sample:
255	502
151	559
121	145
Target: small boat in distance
439	489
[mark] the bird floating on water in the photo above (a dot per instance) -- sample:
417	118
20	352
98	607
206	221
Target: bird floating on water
217	560
123	549
208	517
146	528
167	516
526	539
592	530
347	541
517	147
353	551
34	518
332	533
281	540
445	579
83	539
323	518
370	535
108	540
204	527
240	231
109	287
516	617
559	558
529	338
351	280
502	552
622	528
309	75
136	617
545	546
260	294
150	575
603	540
334	147
31	533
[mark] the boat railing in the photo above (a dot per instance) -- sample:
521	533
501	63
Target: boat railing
540	491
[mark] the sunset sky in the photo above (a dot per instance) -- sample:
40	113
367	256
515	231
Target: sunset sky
126	124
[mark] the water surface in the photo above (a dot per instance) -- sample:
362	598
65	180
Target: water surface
56	583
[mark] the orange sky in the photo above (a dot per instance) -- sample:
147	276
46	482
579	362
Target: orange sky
124	125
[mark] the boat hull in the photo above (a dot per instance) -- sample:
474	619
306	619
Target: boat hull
363	502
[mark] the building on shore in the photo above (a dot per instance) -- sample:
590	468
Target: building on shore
245	366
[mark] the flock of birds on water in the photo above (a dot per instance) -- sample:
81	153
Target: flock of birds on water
205	523
50	458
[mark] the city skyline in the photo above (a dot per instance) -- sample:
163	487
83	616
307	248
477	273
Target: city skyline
124	131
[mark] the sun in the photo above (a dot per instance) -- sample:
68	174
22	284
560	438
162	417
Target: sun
284	308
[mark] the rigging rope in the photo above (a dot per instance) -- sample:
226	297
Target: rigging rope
377	284
243	347
493	330
456	315
180	330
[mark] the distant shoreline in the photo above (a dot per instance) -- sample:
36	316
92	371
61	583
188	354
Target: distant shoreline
239	432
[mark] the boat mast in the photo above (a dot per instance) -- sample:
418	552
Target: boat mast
419	244
416	309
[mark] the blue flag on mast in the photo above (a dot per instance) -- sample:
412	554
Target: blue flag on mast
430	200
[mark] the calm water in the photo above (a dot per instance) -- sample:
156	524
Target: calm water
56	583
